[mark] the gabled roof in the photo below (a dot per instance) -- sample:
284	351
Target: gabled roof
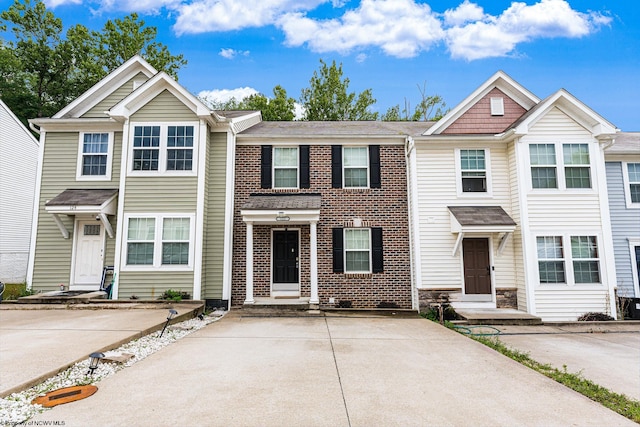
570	105
106	86
152	88
499	80
337	129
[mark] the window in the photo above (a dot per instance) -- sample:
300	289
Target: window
285	167
586	267
180	148
159	241
569	169
473	171
356	167
543	166
163	148
583	266
357	250
94	156
576	165
551	259
632	185
140	241
175	241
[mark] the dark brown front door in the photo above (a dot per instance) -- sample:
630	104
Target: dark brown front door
477	269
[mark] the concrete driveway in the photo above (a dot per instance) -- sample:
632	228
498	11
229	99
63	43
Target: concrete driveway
607	353
330	371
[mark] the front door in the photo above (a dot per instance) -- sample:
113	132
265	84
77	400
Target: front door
89	248
477	267
285	261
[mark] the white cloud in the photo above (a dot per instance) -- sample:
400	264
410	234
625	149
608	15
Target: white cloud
493	36
217	96
231	53
142	6
202	16
401	28
465	12
361	57
52	4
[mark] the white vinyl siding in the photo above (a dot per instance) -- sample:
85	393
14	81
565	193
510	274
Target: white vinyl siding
437	183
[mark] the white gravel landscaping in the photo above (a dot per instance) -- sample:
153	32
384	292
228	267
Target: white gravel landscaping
17	408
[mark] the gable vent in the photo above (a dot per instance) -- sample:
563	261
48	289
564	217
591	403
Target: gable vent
497	106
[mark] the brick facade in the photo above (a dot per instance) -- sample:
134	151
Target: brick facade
384	207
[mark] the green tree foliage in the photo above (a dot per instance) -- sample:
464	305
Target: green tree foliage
430	108
278	108
328	98
43	69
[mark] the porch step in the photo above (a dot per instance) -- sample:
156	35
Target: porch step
496	317
275	307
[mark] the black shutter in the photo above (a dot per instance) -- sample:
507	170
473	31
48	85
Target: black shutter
374	166
305	182
336	166
265	164
376	245
338	250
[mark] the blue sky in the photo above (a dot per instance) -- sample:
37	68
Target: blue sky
590	48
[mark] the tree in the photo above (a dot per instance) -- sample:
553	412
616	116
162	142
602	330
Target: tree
42	69
327	98
278	108
424	110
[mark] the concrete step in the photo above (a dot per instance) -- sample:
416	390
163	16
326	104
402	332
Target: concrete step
496	317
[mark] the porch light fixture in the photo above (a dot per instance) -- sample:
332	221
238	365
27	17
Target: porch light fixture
282	217
94	359
172	314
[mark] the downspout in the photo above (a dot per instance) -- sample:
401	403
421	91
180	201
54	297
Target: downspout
414	239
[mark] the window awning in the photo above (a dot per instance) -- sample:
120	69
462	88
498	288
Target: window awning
285	208
480	219
99	202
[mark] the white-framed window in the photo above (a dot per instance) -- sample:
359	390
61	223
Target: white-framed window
576	266
631	177
95	150
357	250
473	171
159	241
355	167
159	148
560	166
285	167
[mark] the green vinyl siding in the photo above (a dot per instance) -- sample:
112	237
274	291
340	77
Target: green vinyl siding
151	285
53	252
113	98
162	108
203	276
214	225
163	194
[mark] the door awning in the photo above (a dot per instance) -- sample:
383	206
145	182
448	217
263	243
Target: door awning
98	202
285	208
480	219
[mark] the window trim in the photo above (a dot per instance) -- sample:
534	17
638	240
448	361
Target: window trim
80	158
163	149
627	186
345	250
569	273
157	243
487	170
368	167
561	167
274	167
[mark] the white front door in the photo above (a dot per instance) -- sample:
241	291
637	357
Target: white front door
89	249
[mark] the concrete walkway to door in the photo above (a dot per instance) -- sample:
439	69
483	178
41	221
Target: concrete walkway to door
330	371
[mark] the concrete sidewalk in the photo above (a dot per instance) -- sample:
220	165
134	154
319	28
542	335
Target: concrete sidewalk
38	341
330	371
607	353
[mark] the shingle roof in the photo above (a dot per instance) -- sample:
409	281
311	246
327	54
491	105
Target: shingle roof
481	215
282	201
626	143
338	128
82	197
